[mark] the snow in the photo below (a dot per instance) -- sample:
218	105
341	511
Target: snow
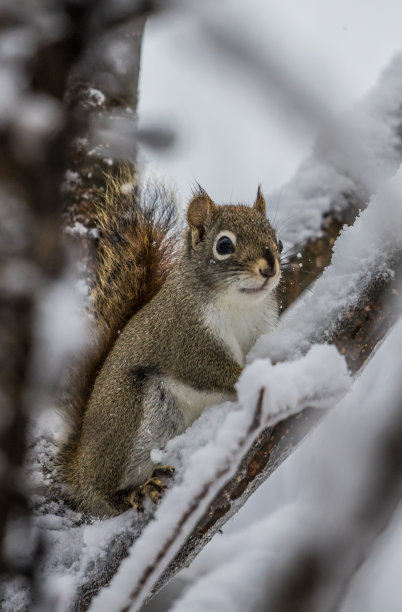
320	374
71	178
208	453
94	97
331	473
79	229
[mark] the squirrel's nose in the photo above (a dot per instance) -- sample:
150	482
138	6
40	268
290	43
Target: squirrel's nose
267	271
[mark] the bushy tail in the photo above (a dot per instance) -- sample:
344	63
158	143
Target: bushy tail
136	249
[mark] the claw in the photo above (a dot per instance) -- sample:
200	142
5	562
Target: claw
153	494
135	500
163	470
156	483
152	488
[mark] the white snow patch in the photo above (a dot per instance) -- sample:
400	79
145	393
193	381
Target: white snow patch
95	97
79	229
71	180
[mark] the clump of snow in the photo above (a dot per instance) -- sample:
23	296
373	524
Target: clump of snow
94	97
295	392
71	180
79	229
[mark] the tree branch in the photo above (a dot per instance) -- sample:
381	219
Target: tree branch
360	331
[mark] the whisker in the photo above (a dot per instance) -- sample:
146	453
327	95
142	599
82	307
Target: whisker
308	272
297	247
286	222
277	206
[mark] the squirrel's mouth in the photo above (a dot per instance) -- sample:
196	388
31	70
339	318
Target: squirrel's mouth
268	285
255	289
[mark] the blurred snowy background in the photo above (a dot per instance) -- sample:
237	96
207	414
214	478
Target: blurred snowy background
235	129
243	88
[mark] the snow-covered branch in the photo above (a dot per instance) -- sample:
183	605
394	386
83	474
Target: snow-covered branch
347	296
311	554
331	187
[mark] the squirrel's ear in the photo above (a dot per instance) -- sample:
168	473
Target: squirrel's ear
259	203
199	212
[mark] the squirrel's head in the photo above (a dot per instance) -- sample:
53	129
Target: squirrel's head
234	247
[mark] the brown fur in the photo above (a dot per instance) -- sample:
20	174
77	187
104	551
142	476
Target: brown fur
136	250
132	394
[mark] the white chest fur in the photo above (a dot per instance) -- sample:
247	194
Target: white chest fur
191	401
238	320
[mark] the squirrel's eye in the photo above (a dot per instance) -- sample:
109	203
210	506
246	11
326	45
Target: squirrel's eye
225	246
280	246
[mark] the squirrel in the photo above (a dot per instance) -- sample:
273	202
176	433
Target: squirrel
176	325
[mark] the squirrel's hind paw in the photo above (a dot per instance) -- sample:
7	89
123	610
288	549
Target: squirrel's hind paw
152	488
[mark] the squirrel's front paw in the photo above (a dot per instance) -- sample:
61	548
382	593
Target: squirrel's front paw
152	488
163	470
